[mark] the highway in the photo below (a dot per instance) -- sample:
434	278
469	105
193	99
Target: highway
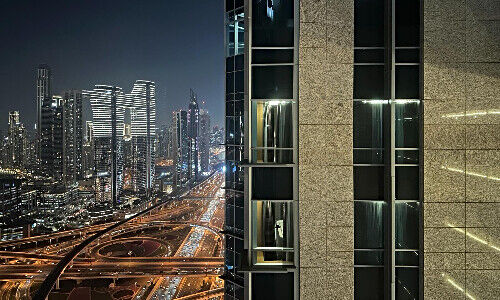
176	239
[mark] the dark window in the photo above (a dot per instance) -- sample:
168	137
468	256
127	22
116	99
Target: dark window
369	23
369	55
370	156
230	83
407	183
407	258
369	225
272	183
407	56
369	283
407	125
238	3
407	23
273	56
274	82
230	108
407	283
272	23
239	61
368	183
369	257
368	124
230	64
407	82
229	130
407	216
238	218
229	5
279	286
407	157
369	82
239	85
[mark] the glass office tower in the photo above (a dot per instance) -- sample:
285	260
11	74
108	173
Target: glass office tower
261	149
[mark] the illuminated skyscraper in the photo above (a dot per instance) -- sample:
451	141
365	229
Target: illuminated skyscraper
204	141
108	113
193	132
17	143
142	105
43	94
181	147
52	138
73	136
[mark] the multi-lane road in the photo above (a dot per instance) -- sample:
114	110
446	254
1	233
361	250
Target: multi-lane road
175	247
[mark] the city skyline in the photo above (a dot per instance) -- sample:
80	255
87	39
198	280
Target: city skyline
77	63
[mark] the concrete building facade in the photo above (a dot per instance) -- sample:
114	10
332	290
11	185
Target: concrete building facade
390	190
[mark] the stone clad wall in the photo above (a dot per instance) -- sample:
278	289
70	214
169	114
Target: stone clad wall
461	151
325	149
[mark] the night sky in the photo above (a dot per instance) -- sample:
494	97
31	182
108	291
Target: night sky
176	43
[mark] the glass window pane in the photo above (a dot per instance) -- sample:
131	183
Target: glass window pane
407	125
272	156
369	156
368	55
272	124
369	82
407	23
407	82
230	64
368	183
407	156
368	124
274	56
369	23
369	225
229	130
272	82
407	56
407	258
272	183
239	82
407	284
272	23
407	225
239	217
375	258
272	224
278	286
229	82
239	62
230	39
229	5
369	283
407	183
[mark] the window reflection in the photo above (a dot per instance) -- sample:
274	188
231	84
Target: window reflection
272	124
273	230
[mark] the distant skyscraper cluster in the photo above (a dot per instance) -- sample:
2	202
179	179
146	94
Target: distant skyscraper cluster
187	143
123	123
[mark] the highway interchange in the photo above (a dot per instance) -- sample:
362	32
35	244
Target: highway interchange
173	252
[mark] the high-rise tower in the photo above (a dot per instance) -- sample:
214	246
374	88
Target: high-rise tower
193	132
17	143
108	113
204	141
43	94
181	147
51	138
73	136
142	104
